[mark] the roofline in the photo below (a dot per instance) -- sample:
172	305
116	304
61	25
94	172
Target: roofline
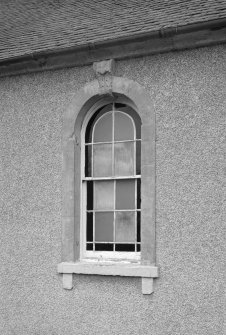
163	40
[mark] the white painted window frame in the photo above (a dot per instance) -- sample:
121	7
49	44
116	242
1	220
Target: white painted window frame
101	255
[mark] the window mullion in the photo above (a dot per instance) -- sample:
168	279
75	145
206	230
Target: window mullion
94	216
92	160
135	171
113	169
114	215
135	215
113	139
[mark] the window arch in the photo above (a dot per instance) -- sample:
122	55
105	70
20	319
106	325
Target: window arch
111	183
88	105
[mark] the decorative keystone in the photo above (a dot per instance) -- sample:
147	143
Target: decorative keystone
104	67
104	71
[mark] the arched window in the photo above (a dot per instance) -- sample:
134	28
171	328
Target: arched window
111	183
108	214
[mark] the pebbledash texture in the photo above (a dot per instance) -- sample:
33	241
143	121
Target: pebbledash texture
188	296
186	94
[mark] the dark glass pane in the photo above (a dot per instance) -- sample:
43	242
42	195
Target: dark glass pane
138	157
93	119
103	247
104	195
89	195
125	194
103	129
124	247
104	226
89	246
138	126
88	135
138	226
124	128
102	160
138	247
88	160
125	226
89	229
119	105
124	159
138	194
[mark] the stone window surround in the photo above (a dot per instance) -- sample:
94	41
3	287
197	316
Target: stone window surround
87	100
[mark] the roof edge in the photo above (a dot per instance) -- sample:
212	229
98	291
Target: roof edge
163	40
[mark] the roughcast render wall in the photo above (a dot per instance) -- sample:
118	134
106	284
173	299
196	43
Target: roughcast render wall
188	89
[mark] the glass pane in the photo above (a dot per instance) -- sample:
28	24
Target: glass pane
138	157
89	229
104	226
138	126
138	226
119	105
125	194
124	159
125	226
88	158
124	247
104	195
134	115
89	195
124	129
88	135
102	160
89	246
138	247
138	194
103	129
104	247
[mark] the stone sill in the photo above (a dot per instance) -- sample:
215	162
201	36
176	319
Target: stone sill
127	269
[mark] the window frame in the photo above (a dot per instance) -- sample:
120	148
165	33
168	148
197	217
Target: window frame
87	100
101	255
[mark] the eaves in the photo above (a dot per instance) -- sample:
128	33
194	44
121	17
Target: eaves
164	40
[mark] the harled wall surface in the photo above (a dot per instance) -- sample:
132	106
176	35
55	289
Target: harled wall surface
188	89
